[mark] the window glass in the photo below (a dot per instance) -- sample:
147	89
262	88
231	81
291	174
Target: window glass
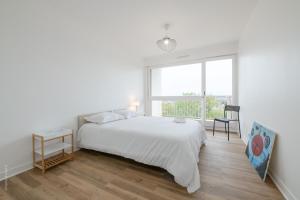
219	77
184	80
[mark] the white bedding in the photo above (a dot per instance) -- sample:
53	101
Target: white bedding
154	141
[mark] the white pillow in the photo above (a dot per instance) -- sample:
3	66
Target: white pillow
126	113
104	117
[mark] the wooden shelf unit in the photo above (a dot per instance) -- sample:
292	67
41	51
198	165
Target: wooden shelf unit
48	147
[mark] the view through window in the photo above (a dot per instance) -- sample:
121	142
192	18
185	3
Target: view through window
218	87
177	91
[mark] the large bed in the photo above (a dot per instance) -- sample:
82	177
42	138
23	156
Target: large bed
156	141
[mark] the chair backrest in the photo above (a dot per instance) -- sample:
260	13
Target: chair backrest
231	108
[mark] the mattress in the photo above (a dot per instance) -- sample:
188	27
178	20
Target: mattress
156	141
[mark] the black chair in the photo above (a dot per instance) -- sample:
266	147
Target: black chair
226	120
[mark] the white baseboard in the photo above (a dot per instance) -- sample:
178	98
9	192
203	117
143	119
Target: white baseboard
244	140
15	170
286	193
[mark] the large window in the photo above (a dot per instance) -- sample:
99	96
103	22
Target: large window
176	91
198	90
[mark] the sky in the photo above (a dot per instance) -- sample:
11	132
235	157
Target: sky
174	81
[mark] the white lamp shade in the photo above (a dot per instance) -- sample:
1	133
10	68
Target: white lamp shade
167	44
135	103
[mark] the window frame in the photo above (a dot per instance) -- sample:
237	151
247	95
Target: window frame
202	97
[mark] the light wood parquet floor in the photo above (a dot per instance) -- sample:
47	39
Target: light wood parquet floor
225	174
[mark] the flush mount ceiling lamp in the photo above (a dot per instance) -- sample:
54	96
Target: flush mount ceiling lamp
166	43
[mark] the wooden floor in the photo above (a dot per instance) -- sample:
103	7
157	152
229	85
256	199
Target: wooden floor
225	173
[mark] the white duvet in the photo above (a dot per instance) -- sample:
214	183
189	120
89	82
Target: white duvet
154	141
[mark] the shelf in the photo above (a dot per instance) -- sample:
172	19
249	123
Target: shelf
54	152
48	135
54	160
52	148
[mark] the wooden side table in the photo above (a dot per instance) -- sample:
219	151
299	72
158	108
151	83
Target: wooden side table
51	146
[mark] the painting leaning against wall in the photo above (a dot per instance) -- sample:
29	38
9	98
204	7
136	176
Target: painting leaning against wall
259	148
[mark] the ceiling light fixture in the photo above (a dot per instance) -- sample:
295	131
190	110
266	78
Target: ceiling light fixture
166	43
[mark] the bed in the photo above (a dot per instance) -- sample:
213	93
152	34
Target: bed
156	141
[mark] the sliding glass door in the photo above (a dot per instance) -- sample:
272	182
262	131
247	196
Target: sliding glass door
199	90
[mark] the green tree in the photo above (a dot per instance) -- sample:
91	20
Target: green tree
192	108
214	107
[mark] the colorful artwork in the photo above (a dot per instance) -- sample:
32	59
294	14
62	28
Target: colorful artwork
259	148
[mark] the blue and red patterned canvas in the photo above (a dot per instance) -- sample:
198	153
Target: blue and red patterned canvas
259	148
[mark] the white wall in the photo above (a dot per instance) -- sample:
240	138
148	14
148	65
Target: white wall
53	67
269	86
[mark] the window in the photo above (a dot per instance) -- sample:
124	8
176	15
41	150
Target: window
218	87
177	108
178	91
184	80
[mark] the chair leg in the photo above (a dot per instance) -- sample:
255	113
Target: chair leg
225	127
240	129
228	131
214	127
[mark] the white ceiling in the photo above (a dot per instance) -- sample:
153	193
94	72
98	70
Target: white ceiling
138	24
194	23
134	26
